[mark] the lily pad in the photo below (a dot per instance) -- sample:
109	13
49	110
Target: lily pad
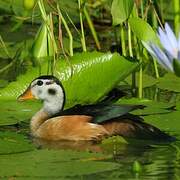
147	80
169	82
12	142
168	122
13	112
53	164
151	107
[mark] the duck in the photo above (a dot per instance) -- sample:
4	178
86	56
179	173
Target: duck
92	122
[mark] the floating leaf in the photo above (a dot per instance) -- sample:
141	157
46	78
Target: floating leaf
121	10
168	122
52	164
147	80
13	112
169	82
12	142
152	107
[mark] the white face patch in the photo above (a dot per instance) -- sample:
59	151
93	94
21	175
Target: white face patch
51	93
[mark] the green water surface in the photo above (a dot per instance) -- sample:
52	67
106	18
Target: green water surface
22	157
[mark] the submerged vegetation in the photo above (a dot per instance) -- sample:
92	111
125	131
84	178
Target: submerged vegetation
95	47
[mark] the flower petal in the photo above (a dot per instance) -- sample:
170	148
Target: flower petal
179	42
171	36
165	41
162	58
148	48
179	46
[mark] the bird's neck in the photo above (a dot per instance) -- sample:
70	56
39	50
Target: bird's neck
37	120
50	108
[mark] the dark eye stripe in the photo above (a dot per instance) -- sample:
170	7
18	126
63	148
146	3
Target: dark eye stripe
52	91
39	83
49	82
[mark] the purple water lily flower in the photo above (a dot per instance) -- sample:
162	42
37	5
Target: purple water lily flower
170	49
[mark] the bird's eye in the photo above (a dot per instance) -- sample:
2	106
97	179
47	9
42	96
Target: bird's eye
39	83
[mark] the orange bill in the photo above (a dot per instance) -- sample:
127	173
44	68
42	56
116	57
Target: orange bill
26	95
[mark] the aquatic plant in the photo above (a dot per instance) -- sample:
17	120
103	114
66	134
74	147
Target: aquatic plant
168	52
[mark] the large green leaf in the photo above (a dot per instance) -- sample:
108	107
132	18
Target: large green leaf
142	30
94	74
121	10
53	164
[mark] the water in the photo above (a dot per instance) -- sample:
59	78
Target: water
157	161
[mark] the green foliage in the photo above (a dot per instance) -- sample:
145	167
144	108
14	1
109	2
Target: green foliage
121	10
8	5
87	80
12	142
142	30
117	143
94	75
146	79
176	66
28	4
13	112
169	82
53	164
168	122
152	107
136	167
39	48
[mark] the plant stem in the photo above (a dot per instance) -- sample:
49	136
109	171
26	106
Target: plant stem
42	9
82	28
131	55
155	25
156	68
68	31
123	44
2	43
142	9
130	41
140	92
177	16
93	31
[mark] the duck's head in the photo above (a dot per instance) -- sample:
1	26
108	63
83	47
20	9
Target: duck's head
48	89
